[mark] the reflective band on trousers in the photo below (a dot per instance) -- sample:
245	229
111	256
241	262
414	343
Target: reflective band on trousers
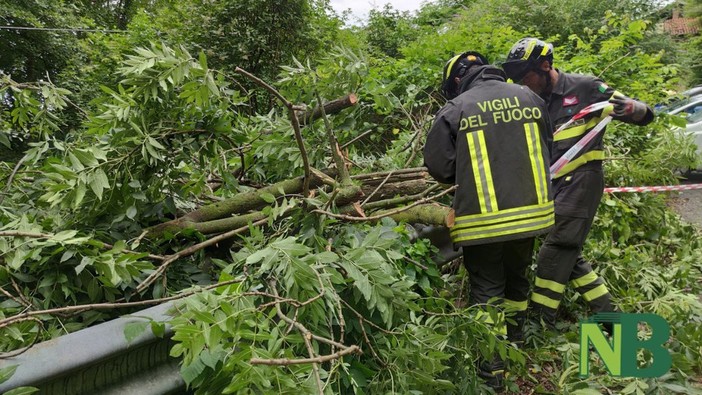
545	300
538	167
513	305
481	171
595	293
549	284
584	280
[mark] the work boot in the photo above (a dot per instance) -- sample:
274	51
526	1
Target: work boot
493	373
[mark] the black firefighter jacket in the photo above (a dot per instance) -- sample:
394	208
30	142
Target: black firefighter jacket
493	141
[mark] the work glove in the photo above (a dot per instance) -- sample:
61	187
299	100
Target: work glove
625	107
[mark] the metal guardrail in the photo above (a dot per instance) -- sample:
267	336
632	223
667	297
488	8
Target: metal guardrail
99	360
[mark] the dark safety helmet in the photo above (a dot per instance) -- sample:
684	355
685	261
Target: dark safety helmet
527	54
457	66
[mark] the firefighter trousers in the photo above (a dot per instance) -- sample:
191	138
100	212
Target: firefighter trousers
560	260
498	275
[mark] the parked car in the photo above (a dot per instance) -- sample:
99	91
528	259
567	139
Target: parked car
680	100
694	127
691	109
697	90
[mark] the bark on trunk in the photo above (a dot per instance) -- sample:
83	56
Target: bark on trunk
332	107
252	200
429	214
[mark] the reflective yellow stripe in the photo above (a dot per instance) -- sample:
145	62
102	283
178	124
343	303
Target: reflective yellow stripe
584	280
595	292
529	48
481	171
581	160
538	168
488	173
514	228
450	66
504	225
536	210
514	305
475	163
544	300
576	131
549	284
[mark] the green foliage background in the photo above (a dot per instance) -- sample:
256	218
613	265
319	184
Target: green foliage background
129	129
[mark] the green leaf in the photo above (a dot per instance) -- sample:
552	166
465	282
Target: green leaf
209	80
267	197
209	358
151	150
86	157
66	256
131	212
97	153
134	329
203	60
6	373
155	143
192	371
326	257
5	140
587	391
75	163
630	388
63	235
678	389
79	195
98	182
22	391
158	329
83	263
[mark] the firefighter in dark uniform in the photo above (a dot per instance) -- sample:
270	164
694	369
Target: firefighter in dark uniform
492	140
578	185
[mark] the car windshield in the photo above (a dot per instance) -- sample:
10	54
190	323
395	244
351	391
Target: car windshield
695	117
678	103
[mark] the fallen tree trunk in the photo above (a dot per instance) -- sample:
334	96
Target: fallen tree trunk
392	189
383	191
238	204
429	214
207	227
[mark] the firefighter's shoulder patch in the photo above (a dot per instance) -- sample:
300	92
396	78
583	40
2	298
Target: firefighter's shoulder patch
570	101
603	87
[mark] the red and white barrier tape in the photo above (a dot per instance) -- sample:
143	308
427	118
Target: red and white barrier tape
580	145
585	112
577	147
663	188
